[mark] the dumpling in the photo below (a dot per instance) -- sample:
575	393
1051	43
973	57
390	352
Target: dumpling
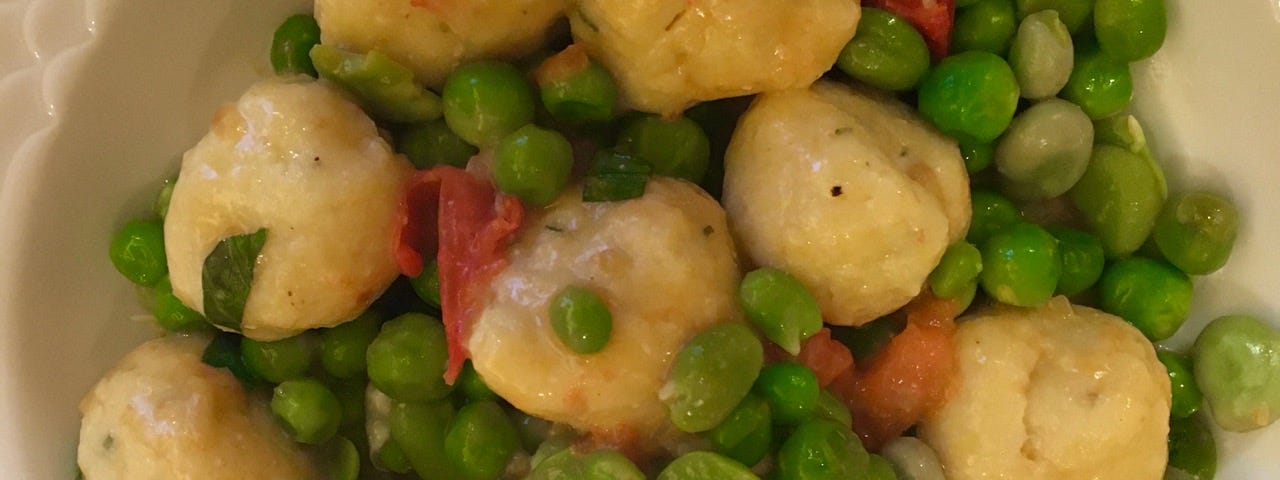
434	37
302	161
668	54
1061	392
849	192
663	263
163	414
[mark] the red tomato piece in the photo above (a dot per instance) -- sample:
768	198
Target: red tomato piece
469	226
827	357
933	18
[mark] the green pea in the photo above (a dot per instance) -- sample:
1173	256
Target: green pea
137	251
1119	196
1196	232
472	386
351	396
821	449
384	87
746	433
1122	131
279	360
533	431
912	459
407	359
533	163
1152	295
586	96
992	212
780	306
711	375
1100	84
705	466
971	96
1186	394
341	459
420	429
675	148
224	352
291	45
581	320
432	143
486	101
481	441
977	156
1192	452
1045	150
597	465
959	266
309	411
1237	366
831	408
1082	259
886	52
161	205
427	283
1042	55
1130	29
1021	265
1073	13
171	313
791	389
987	26
879	469
343	348
392	458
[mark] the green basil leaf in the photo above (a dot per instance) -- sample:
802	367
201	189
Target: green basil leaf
227	276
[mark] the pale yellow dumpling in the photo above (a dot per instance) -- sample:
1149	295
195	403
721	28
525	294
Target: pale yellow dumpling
668	54
665	266
299	159
1060	392
849	192
162	414
434	37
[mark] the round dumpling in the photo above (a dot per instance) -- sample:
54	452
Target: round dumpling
163	414
663	263
669	54
1061	392
303	162
434	37
849	192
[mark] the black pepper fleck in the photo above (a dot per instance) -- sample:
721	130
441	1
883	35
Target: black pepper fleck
837	191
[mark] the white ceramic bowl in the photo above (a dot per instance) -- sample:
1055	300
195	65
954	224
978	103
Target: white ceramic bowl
98	98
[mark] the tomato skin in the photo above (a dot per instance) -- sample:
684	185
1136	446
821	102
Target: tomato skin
469	226
933	18
827	357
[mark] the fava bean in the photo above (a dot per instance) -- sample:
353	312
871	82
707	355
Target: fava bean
432	143
1021	265
971	96
341	459
711	375
1073	13
1042	55
1045	150
987	26
486	101
1196	232
1119	195
821	449
171	313
878	468
408	357
419	429
309	411
780	306
912	459
291	45
831	408
385	88
1192	452
533	163
597	465
1152	295
886	52
1237	366
705	466
1122	131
